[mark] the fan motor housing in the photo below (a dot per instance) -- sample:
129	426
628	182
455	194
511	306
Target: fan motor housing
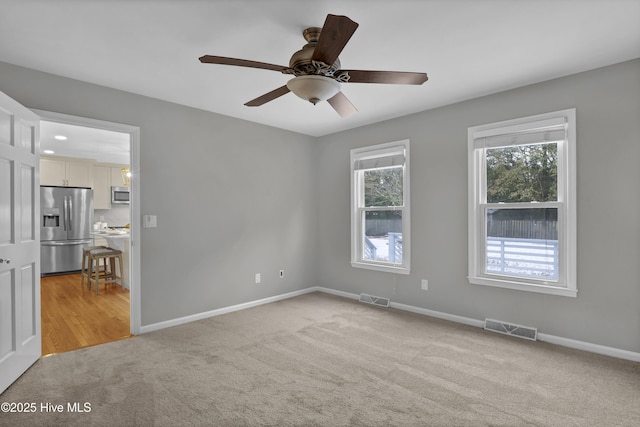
302	59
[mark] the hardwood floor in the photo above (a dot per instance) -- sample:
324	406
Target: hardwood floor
74	317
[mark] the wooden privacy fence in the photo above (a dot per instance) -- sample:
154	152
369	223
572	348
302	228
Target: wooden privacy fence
511	228
382	227
523	229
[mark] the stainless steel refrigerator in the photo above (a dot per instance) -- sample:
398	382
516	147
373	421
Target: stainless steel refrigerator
66	221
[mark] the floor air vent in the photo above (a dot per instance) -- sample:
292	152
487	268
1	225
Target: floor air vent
511	329
370	299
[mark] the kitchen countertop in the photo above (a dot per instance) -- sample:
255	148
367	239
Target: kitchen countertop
111	233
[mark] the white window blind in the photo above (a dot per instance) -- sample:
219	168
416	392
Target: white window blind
390	158
552	132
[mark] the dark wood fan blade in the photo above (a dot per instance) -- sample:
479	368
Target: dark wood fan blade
336	32
342	105
210	59
269	96
388	77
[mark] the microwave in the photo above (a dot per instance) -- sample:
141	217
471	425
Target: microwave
119	195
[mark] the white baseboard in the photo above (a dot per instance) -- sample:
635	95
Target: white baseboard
411	308
186	319
439	315
592	348
342	294
552	339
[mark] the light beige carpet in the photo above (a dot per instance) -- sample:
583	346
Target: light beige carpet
320	360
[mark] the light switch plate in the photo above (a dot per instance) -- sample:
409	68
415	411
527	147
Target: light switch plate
149	221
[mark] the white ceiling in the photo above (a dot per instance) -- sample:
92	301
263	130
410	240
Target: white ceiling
104	146
469	48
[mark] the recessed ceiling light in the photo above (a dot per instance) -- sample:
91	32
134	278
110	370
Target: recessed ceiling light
48	151
60	137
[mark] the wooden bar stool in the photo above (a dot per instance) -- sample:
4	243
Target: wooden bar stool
109	274
85	269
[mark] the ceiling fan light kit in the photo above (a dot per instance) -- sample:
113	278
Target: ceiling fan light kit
317	71
313	88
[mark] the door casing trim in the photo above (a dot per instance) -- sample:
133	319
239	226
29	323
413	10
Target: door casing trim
134	153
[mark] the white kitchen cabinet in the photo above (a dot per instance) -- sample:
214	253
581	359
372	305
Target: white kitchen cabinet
104	177
79	174
102	187
66	172
52	172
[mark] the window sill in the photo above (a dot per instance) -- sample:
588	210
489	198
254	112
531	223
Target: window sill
381	267
528	287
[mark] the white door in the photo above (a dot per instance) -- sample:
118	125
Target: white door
20	334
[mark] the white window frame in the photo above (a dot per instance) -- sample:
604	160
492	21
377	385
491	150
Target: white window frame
357	210
566	204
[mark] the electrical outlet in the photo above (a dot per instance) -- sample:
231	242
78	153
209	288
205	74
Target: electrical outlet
281	274
425	285
258	278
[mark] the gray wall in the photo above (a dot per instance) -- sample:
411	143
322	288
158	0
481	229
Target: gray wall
248	198
607	309
233	198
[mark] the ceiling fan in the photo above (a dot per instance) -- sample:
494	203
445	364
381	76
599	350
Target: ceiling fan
316	68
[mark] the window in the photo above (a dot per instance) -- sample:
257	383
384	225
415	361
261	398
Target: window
522	204
380	207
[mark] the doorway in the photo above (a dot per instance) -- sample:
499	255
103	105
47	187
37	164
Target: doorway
109	158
